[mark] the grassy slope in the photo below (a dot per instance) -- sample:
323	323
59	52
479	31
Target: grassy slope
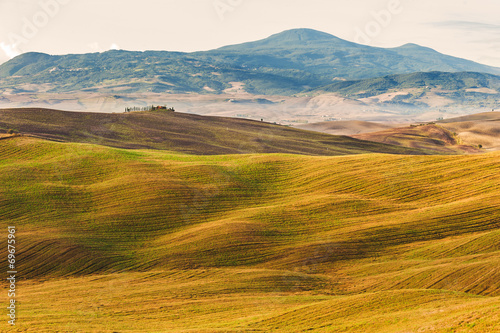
118	240
478	129
485	116
430	138
346	127
450	136
186	133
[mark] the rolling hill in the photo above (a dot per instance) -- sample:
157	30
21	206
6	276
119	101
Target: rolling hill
347	127
120	240
185	133
478	129
470	134
283	64
424	136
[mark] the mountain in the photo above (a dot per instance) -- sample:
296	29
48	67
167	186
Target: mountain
151	71
285	63
426	59
324	54
292	39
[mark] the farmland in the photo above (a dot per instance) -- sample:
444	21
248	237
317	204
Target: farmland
133	240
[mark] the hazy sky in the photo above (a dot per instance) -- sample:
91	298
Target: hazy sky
463	28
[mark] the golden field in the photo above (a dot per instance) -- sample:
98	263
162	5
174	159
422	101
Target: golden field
117	240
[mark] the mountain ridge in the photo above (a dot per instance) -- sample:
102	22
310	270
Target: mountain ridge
283	64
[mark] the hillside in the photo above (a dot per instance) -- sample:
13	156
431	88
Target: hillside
283	64
325	54
347	127
245	243
422	89
471	134
424	136
185	133
478	129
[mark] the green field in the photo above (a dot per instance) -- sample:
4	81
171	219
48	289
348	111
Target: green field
119	240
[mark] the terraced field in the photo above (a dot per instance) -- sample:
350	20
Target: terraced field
116	240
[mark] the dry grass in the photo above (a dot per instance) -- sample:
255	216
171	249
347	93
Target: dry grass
479	129
240	300
114	240
351	127
187	133
430	138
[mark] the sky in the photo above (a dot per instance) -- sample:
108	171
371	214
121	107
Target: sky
463	28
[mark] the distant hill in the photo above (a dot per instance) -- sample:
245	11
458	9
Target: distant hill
426	136
286	63
470	134
186	133
443	80
412	89
481	129
347	127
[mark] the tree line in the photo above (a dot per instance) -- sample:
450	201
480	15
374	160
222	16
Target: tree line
149	108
